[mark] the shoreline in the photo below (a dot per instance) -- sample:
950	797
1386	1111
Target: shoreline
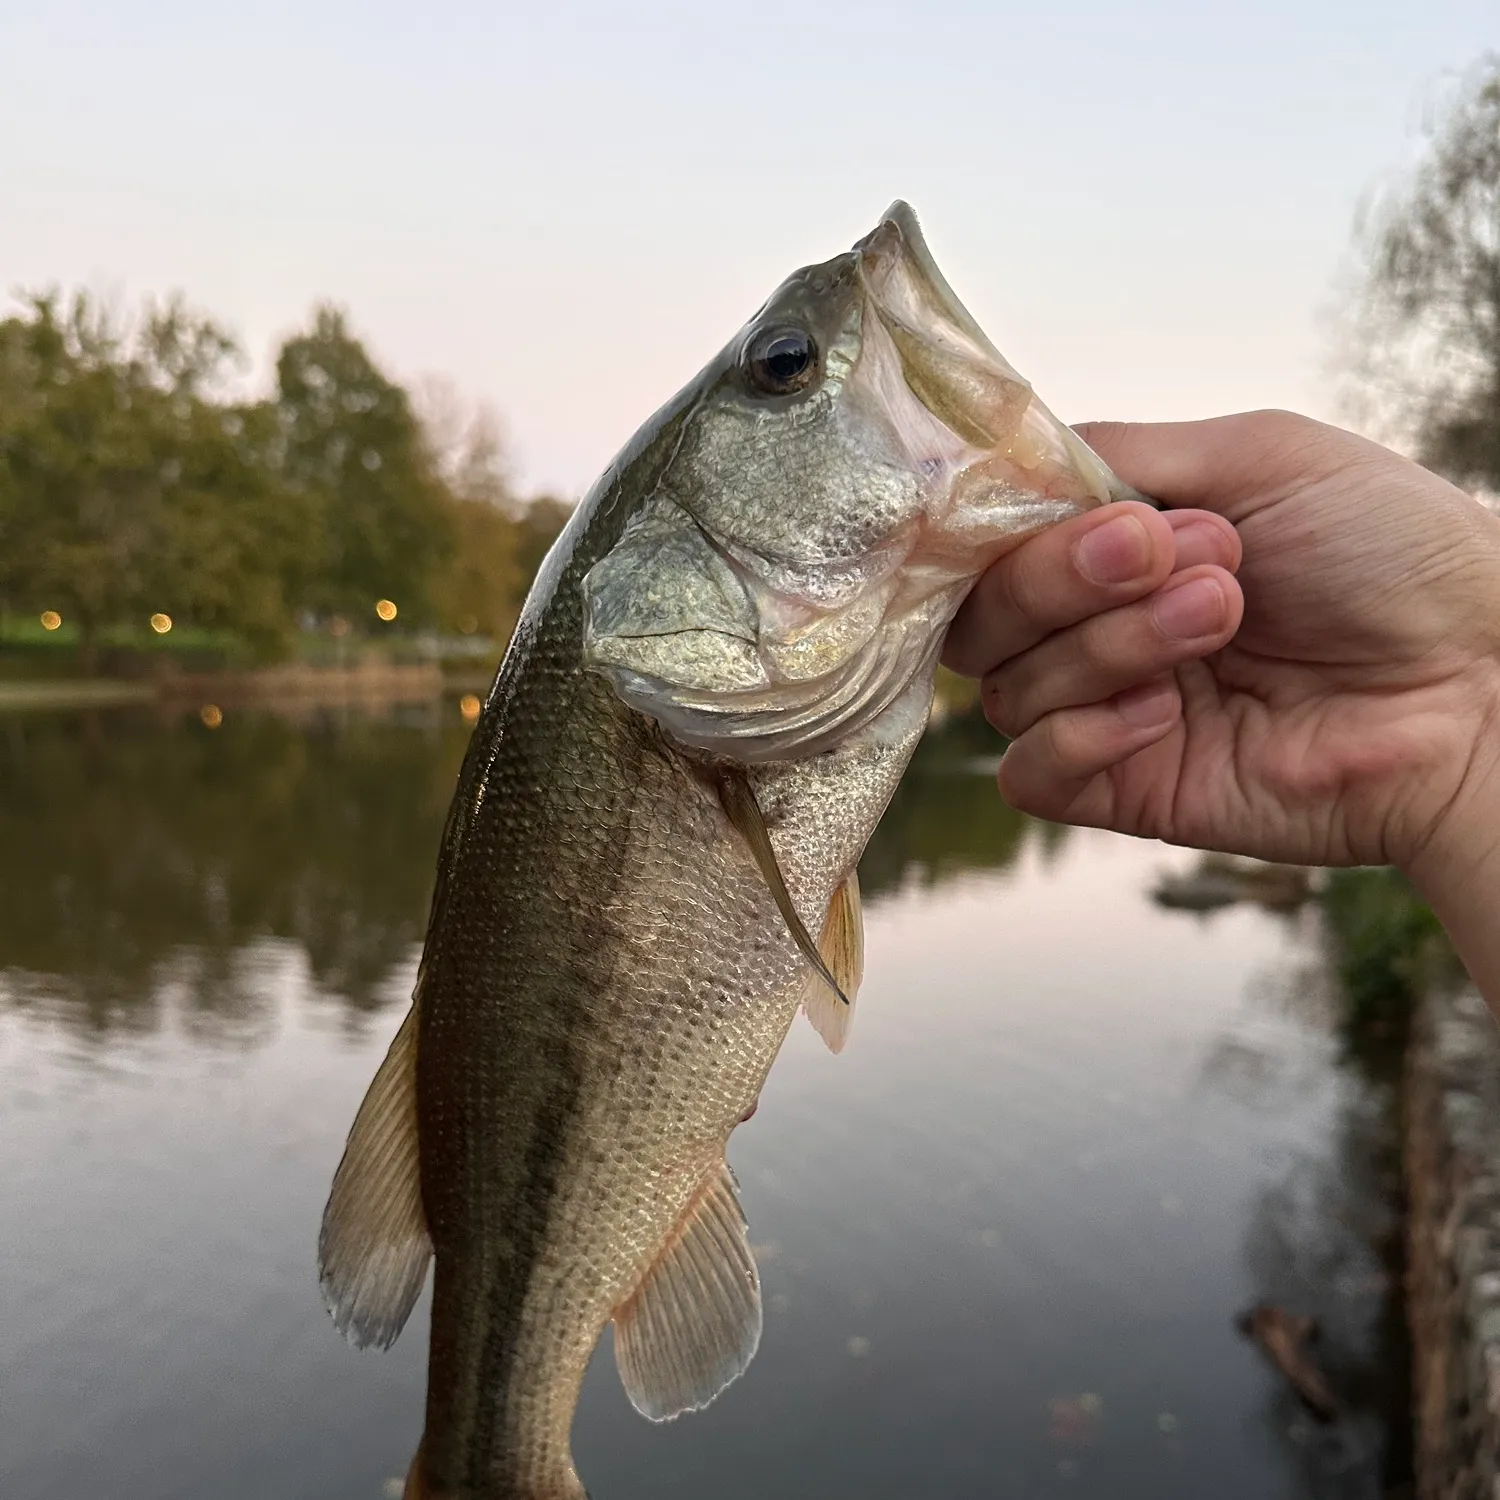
294	685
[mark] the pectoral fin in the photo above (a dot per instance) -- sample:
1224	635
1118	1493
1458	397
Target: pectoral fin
738	799
694	1322
842	945
374	1247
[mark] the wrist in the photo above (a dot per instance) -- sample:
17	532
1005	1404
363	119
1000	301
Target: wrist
1456	868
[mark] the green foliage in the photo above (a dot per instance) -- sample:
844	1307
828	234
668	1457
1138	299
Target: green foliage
132	483
1387	945
1430	309
355	451
499	542
124	489
483	585
537	527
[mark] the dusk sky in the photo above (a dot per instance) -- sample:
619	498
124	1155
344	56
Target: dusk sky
567	209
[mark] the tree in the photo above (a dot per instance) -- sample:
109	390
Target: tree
355	451
501	539
133	481
125	489
1429	310
79	482
540	523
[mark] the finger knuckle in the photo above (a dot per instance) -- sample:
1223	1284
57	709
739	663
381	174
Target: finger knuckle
1018	589
1104	647
1069	738
1290	438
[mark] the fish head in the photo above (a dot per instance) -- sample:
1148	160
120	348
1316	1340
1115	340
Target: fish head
837	478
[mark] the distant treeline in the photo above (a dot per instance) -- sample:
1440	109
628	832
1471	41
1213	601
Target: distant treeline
134	482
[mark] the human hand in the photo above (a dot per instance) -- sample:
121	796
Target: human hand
1350	718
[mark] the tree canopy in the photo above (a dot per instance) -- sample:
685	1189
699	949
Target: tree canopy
1429	309
133	481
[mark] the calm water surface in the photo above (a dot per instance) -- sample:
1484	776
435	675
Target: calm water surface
1003	1237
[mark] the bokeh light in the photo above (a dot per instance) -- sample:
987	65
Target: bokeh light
161	623
385	609
51	619
212	715
469	706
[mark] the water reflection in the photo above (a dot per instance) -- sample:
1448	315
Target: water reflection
1324	1234
138	858
143	858
1006	1232
946	818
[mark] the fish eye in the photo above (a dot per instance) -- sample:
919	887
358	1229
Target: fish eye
781	360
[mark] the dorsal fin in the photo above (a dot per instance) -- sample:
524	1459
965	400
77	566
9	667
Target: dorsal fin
374	1247
842	945
694	1322
738	799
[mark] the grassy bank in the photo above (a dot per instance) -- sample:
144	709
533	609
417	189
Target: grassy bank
32	655
1387	948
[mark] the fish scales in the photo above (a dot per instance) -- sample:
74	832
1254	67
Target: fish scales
602	936
716	683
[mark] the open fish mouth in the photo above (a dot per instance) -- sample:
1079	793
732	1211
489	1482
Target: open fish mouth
951	366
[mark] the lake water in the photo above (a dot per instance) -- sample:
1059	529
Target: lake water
1004	1236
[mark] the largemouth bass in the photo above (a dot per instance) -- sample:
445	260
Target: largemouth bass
649	866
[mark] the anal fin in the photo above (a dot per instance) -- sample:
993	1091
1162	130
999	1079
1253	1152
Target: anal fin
694	1322
842	945
374	1247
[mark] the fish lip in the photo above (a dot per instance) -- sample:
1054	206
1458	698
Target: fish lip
898	238
893	258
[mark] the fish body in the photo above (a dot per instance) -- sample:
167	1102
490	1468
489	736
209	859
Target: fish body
598	1010
649	866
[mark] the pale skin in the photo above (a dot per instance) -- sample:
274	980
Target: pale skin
1298	660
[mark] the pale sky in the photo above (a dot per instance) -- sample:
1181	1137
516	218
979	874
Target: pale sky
567	209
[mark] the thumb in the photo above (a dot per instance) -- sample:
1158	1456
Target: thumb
1231	465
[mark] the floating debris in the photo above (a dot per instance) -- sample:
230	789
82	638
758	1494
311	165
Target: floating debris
1074	1420
1225	880
1283	1335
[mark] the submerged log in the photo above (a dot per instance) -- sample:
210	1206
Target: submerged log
1283	1337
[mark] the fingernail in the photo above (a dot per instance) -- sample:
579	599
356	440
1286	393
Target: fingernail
1151	703
1115	552
1190	610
